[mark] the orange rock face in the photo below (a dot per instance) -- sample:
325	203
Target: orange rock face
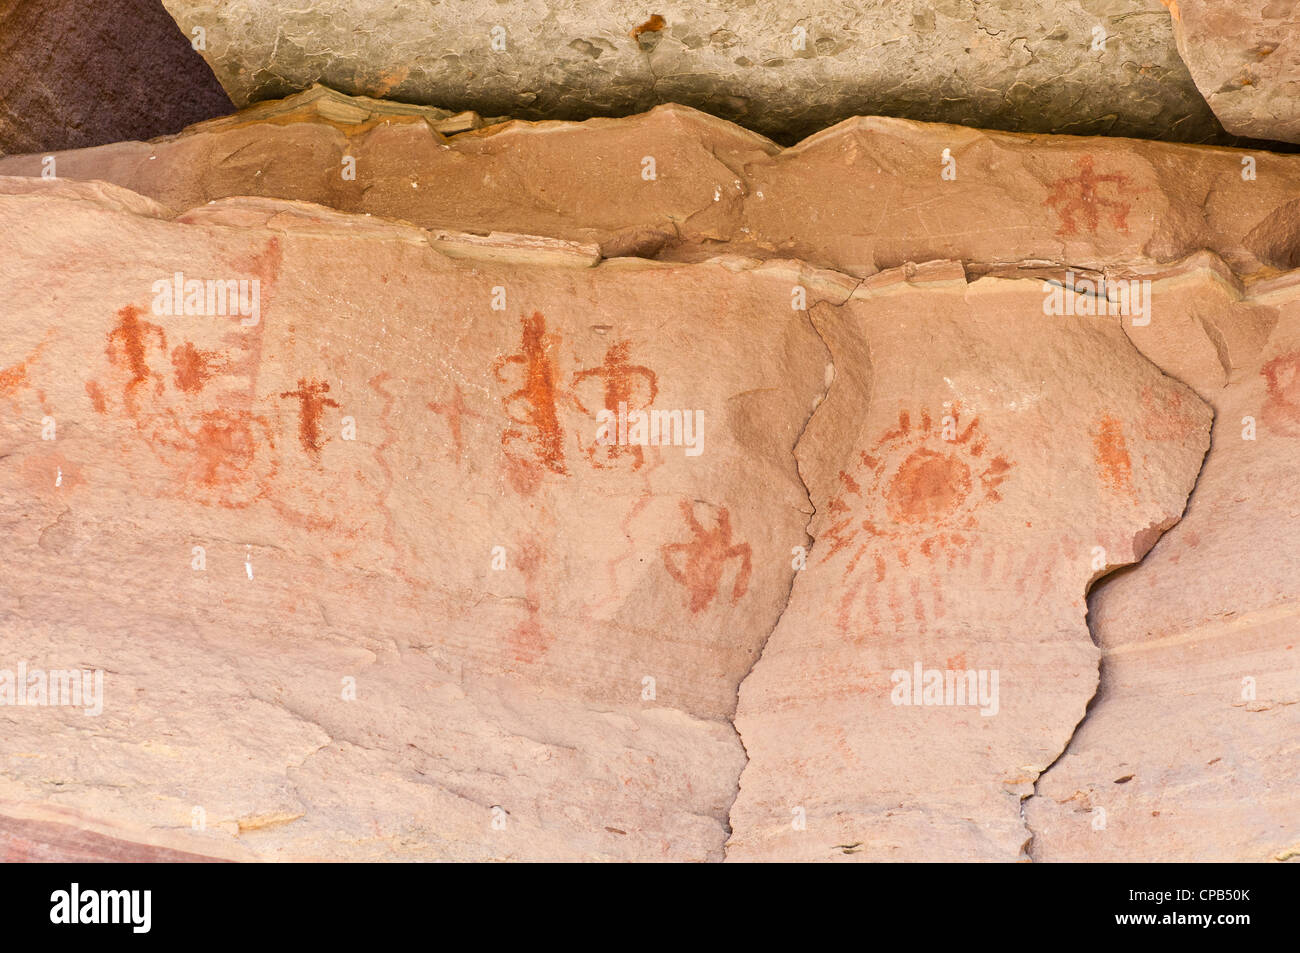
515	498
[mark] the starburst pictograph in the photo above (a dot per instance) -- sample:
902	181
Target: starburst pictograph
917	486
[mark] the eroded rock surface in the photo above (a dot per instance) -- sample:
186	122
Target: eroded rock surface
533	621
1245	59
967	455
965	500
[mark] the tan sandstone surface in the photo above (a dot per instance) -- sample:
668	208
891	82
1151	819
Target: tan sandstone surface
981	465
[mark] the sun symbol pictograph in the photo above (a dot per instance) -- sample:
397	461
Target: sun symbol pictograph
931	480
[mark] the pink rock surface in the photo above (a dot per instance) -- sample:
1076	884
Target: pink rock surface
71	839
506	713
585	688
975	466
1190	751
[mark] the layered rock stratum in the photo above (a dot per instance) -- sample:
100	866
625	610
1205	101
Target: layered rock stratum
868	194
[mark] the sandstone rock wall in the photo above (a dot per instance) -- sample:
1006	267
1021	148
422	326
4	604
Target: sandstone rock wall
360	547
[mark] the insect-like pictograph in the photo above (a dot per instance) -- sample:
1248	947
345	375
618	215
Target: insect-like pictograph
532	408
620	377
699	563
1078	199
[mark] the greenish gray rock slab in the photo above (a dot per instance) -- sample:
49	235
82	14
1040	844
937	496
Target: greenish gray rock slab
1087	67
